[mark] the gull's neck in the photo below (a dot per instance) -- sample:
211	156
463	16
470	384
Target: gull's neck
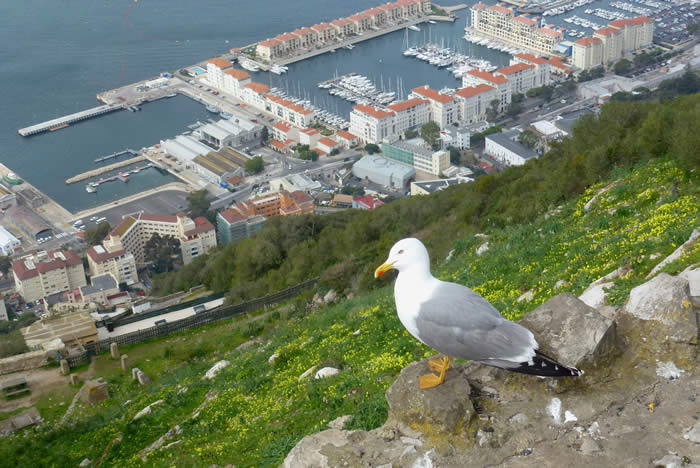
415	276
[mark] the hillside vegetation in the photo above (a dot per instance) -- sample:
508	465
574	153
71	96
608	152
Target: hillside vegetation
642	174
343	248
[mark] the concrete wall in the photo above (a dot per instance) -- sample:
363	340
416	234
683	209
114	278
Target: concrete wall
25	361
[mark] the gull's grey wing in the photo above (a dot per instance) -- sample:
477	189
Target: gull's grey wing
460	323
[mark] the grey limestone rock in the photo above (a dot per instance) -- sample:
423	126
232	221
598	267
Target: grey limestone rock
570	331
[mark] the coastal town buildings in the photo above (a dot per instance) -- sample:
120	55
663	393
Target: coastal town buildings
521	77
611	39
232	226
543	67
500	83
371	124
215	71
8	243
501	22
587	53
410	113
112	260
473	101
234	80
421	158
196	236
443	107
347	139
506	148
383	171
322	34
45	273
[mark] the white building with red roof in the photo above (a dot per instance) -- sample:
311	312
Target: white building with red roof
587	52
542	66
327	145
254	93
307	36
443	107
309	136
215	71
637	32
343	27
371	124
235	80
347	139
282	131
367	202
410	113
473	101
612	43
521	76
269	49
326	32
288	111
501	83
196	236
46	273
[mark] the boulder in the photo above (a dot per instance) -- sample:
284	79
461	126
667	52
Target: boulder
339	423
693	434
572	332
683	248
94	391
326	372
85	462
692	274
483	248
216	368
659	320
331	296
446	408
595	295
307	373
147	410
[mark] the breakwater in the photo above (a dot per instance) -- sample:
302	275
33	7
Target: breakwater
102	170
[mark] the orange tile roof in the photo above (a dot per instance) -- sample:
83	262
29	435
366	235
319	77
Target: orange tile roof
487	76
319	152
282	126
372	111
479	5
606	31
549	32
620	23
474	90
500	9
403	105
586	41
531	58
219	62
321	26
237	74
346	135
432	94
269	43
327	141
285	37
310	131
288	104
340	22
524	20
557	62
257	87
518	67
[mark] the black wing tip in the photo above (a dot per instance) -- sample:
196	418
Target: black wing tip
544	366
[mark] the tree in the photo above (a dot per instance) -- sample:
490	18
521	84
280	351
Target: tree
255	165
455	155
622	67
163	252
518	97
354	191
371	148
493	110
199	203
5	264
94	236
334	151
528	138
410	133
514	108
431	133
264	135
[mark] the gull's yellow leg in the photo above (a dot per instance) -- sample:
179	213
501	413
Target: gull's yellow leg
432	380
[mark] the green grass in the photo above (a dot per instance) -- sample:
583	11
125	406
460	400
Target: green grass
263	409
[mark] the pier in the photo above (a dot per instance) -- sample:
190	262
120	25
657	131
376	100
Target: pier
116	155
102	170
66	120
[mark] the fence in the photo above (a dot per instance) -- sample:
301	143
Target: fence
82	358
200	319
118	322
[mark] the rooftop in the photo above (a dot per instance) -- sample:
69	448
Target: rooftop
509	141
219	62
500	9
474	90
518	67
432	186
327	141
586	41
372	111
345	134
531	58
432	94
237	74
257	87
486	76
606	31
549	32
403	105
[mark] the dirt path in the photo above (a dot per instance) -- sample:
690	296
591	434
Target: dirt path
40	382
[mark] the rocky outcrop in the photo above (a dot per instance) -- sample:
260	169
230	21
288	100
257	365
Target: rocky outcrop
94	391
636	405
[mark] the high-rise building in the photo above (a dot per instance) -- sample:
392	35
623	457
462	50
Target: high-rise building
45	273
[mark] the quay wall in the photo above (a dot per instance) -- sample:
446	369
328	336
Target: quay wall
102	170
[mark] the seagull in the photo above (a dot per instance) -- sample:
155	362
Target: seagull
458	322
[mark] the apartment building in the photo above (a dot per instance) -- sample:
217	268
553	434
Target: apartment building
587	52
235	80
521	76
637	33
410	113
543	67
288	111
371	124
134	231
215	71
443	107
473	102
612	43
232	226
46	273
499	82
254	93
112	260
501	22
420	158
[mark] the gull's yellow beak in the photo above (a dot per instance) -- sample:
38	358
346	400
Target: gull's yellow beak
383	268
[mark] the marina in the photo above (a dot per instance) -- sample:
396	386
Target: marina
116	155
121	176
103	170
359	89
457	63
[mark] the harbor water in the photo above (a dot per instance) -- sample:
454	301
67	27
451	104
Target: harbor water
59	55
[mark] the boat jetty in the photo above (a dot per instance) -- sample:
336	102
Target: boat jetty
63	122
122	176
104	169
116	155
357	88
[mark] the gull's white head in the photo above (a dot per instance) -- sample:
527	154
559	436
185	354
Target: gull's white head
406	255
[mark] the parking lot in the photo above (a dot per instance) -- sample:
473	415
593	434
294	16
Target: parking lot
671	25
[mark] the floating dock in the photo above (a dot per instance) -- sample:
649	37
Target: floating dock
66	120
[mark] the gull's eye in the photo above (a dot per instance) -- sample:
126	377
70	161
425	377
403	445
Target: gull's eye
400	251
